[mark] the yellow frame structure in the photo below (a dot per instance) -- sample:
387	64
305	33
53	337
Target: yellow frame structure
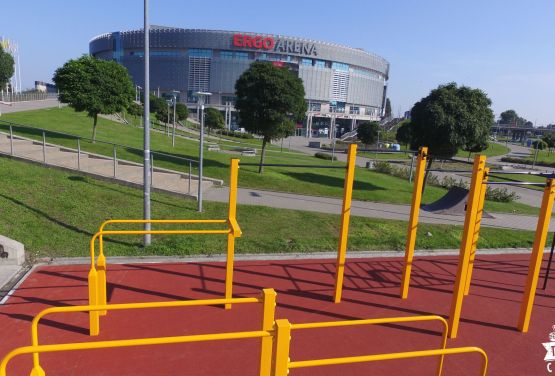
97	273
283	328
413	219
267	299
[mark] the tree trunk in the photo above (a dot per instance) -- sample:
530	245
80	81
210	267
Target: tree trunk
262	155
95	120
428	167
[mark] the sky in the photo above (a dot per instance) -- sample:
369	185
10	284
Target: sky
505	48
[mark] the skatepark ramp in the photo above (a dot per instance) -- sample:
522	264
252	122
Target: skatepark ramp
452	203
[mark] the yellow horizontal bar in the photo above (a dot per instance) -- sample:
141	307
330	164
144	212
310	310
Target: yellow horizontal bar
390	356
162	232
387	320
128	343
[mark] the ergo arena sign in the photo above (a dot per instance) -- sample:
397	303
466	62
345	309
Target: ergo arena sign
277	45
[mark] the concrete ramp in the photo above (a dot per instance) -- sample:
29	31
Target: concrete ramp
452	203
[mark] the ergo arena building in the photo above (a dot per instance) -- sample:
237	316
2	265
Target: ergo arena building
343	85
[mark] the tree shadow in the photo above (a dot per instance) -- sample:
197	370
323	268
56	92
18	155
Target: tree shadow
309	177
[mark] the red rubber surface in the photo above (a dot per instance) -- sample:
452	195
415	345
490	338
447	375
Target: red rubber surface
304	289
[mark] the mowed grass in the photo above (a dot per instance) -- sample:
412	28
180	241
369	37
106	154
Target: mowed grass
369	185
55	213
494	149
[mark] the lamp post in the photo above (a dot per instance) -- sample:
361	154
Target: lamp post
146	162
174	93
137	92
201	99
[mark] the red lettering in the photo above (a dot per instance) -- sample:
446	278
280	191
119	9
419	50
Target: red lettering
247	41
268	43
237	38
257	42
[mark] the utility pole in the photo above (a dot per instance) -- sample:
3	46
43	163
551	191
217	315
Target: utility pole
146	162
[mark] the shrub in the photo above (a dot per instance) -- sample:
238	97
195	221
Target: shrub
225	132
325	156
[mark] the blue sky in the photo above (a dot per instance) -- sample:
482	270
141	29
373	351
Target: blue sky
506	48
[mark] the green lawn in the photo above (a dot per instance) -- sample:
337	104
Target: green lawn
494	149
54	213
369	185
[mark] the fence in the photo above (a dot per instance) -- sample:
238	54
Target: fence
24	97
119	155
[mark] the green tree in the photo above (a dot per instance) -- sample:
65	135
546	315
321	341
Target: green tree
270	100
181	111
451	118
549	140
159	107
387	108
403	135
6	68
539	145
367	132
213	119
94	86
510	117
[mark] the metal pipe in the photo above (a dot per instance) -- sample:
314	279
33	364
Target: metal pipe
503	172
546	278
44	147
201	151
515	183
190	172
452	171
11	140
151	169
78	154
290	165
146	147
411	168
115	161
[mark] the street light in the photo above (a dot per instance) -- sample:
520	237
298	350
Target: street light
137	92
201	99
146	163
174	93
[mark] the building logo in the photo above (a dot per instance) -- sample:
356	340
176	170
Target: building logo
550	347
258	42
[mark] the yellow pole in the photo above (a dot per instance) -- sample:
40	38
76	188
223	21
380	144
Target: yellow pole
536	258
413	219
268	315
232	213
466	243
101	269
476	231
94	318
345	217
283	340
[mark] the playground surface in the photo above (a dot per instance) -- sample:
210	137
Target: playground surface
304	294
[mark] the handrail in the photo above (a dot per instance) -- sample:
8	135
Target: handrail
391	356
98	141
267	299
129	343
283	337
110	221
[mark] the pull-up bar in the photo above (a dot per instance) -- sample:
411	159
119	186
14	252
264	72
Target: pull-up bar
290	165
514	182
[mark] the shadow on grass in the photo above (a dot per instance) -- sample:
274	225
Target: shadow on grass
331	181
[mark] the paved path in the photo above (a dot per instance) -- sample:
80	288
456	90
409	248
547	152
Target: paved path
101	166
27	106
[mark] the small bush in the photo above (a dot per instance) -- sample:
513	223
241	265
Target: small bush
500	195
225	132
325	156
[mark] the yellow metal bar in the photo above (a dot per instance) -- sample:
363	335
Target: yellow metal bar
282	337
536	257
94	319
167	221
476	231
128	343
268	315
345	218
163	232
229	268
413	219
235	231
101	270
233	176
391	356
466	243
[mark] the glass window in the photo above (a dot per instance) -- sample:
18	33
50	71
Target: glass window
200	53
305	61
226	54
242	55
340	66
320	63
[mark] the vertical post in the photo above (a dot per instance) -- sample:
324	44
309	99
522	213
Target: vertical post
232	213
146	160
174	125
11	140
413	219
345	218
101	275
283	341
94	319
466	243
476	231
115	161
78	154
546	277
43	147
268	315
200	152
190	172
411	168
151	169
536	258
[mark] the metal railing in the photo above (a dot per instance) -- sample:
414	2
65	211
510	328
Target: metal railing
283	328
24	97
110	152
267	299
